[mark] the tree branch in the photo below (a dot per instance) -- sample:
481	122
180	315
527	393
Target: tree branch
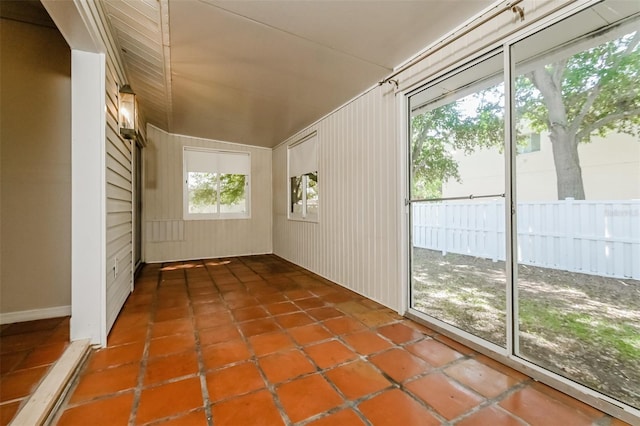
604	121
575	124
586	106
552	95
558	72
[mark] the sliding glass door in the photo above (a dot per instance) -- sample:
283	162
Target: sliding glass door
577	110
457	192
552	278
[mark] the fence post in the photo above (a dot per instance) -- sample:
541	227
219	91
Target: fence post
443	230
495	232
569	219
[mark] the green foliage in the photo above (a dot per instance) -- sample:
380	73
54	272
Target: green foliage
205	187
621	337
295	186
438	133
592	92
599	88
202	190
231	188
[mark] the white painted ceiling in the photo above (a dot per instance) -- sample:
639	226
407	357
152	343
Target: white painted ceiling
256	72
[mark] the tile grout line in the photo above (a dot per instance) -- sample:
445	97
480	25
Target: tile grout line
493	402
338	337
255	294
249	289
254	359
137	393
271	387
201	367
322	371
318	370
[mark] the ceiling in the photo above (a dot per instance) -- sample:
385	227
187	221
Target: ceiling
256	72
29	11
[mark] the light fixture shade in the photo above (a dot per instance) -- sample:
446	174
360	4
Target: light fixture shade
127	112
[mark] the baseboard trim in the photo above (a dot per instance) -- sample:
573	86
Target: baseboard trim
35	314
206	258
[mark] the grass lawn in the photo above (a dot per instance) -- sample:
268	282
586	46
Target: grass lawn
584	327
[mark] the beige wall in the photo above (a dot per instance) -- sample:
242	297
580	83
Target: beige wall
35	138
610	171
168	237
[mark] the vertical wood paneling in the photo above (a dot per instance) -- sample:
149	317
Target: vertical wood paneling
202	238
355	242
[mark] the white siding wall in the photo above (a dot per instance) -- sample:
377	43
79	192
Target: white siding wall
119	204
359	238
168	237
355	242
118	172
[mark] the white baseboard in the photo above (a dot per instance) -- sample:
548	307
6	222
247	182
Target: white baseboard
35	314
205	257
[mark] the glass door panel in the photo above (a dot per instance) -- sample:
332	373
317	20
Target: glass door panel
457	204
577	102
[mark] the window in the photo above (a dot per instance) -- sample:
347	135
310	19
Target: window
303	179
529	142
216	184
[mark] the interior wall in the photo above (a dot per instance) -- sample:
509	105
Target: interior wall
355	242
35	146
167	236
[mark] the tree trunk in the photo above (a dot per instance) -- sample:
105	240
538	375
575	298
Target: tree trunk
563	136
567	163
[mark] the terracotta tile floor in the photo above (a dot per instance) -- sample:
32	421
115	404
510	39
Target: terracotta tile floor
27	351
259	341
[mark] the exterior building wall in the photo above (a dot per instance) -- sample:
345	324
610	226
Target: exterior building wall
610	171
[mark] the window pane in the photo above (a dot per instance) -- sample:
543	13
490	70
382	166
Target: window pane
202	192
458	247
312	194
232	193
296	194
578	210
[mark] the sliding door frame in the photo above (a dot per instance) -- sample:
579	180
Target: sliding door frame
506	355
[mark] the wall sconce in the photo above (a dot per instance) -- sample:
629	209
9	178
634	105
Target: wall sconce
127	112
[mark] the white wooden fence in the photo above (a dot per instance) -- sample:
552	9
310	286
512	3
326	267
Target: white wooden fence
591	237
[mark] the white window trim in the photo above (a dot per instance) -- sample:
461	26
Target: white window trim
186	215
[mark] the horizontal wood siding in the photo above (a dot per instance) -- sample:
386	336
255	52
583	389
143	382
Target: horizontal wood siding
119	207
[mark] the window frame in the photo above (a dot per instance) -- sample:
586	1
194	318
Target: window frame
186	214
304	215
